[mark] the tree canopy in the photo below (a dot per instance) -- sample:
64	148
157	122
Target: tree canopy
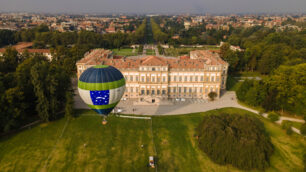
239	140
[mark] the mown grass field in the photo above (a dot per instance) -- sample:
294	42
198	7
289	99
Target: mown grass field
185	50
150	52
125	52
86	145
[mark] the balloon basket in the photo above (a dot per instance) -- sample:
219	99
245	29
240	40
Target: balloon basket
104	122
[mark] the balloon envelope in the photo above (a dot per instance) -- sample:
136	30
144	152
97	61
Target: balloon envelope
101	88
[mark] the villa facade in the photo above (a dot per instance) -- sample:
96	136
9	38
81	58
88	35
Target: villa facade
161	77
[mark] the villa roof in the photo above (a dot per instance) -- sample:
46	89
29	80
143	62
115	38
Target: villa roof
101	57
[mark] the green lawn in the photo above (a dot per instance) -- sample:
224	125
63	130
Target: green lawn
150	52
125	52
297	125
117	145
185	50
232	84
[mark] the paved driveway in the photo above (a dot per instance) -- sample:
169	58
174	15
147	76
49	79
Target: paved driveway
189	106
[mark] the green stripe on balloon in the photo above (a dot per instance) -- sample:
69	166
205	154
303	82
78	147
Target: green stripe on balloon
103	106
100	66
101	86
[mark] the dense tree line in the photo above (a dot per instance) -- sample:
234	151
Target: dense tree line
44	38
31	88
239	140
192	36
265	49
280	58
158	35
7	37
138	36
283	90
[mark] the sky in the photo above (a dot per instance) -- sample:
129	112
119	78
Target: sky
154	6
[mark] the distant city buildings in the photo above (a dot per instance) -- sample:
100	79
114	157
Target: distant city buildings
68	23
126	24
152	78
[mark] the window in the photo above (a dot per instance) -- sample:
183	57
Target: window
212	79
180	89
136	89
153	92
131	78
169	78
153	68
158	92
217	78
142	92
196	78
148	92
185	79
169	90
174	78
180	78
148	79
191	78
185	89
202	78
153	79
137	78
158	79
142	79
207	79
163	92
164	79
190	90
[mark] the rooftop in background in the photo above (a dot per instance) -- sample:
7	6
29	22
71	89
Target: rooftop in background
211	57
26	46
22	45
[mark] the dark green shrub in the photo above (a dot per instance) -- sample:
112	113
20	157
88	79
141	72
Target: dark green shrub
239	140
286	124
289	131
303	129
212	95
273	116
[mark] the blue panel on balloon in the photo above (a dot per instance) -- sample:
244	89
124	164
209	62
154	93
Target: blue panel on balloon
100	97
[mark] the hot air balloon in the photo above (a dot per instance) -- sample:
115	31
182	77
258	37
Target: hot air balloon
101	88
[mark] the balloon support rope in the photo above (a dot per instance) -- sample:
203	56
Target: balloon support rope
104	121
